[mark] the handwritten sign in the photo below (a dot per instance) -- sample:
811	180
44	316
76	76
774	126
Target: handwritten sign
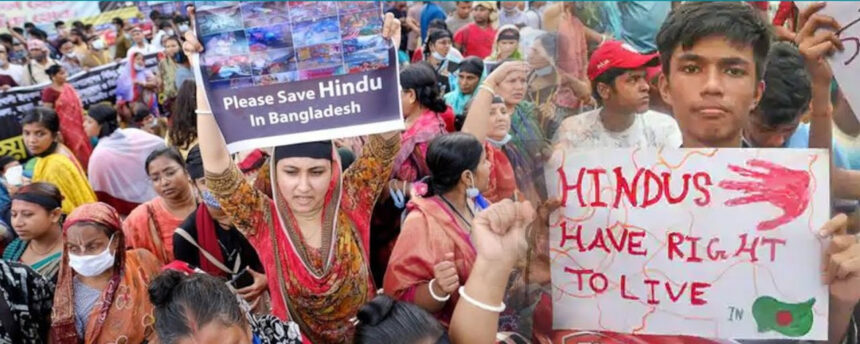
279	73
710	243
845	64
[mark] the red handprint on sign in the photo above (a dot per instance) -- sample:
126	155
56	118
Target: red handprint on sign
784	188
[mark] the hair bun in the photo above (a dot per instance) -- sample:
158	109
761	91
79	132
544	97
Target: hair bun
375	311
161	288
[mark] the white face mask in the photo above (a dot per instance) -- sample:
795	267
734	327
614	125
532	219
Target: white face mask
169	32
98	44
438	56
90	266
183	28
499	144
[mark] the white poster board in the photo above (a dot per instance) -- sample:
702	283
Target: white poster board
845	64
710	243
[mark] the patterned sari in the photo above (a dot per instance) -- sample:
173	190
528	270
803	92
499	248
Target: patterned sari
70	111
150	227
322	289
124	300
47	267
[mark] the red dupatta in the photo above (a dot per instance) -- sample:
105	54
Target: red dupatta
70	111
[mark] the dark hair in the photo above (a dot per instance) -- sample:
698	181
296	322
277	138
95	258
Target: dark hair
18	30
448	156
384	320
472	65
105	115
29	25
789	89
117	21
421	78
139	111
39	34
693	21
62	41
7	38
182	302
549	42
59	23
78	24
437	23
43	190
433	35
47	117
164	24
183	126
87	27
181	19
77	32
155	14
168	152
608	77
53	70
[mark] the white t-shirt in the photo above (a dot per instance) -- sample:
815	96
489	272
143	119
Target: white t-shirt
147	49
17	73
649	129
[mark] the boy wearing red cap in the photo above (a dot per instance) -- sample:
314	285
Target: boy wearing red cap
620	85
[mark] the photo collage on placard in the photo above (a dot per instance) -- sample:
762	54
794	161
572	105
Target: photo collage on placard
272	42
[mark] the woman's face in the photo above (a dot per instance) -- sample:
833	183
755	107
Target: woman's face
538	58
408	101
216	332
91	127
138	60
482	173
500	122
303	182
513	88
171	47
442	46
37	138
89	240
169	178
31	221
506	48
61	76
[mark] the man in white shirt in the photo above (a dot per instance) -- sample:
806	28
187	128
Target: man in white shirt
139	44
510	14
534	14
619	83
39	62
460	17
164	30
16	72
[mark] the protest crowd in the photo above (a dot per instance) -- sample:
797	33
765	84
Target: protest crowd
129	221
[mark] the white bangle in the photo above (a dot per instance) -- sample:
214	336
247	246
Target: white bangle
437	297
479	304
202	112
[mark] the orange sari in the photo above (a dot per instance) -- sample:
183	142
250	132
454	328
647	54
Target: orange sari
150	226
503	183
125	300
428	233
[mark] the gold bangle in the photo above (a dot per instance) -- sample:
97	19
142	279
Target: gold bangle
487	88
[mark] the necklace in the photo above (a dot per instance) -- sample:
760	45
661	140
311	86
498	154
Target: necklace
33	248
460	215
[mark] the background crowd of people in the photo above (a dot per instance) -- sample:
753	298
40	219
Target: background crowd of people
130	221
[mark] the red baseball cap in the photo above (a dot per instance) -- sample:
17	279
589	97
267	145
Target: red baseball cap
614	54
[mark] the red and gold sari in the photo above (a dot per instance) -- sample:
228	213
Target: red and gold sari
123	313
503	183
321	290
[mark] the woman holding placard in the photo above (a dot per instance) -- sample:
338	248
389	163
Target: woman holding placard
313	235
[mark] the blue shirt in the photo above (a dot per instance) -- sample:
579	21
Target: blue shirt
431	11
637	22
800	139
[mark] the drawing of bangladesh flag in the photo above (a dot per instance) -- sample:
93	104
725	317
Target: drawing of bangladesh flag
789	319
